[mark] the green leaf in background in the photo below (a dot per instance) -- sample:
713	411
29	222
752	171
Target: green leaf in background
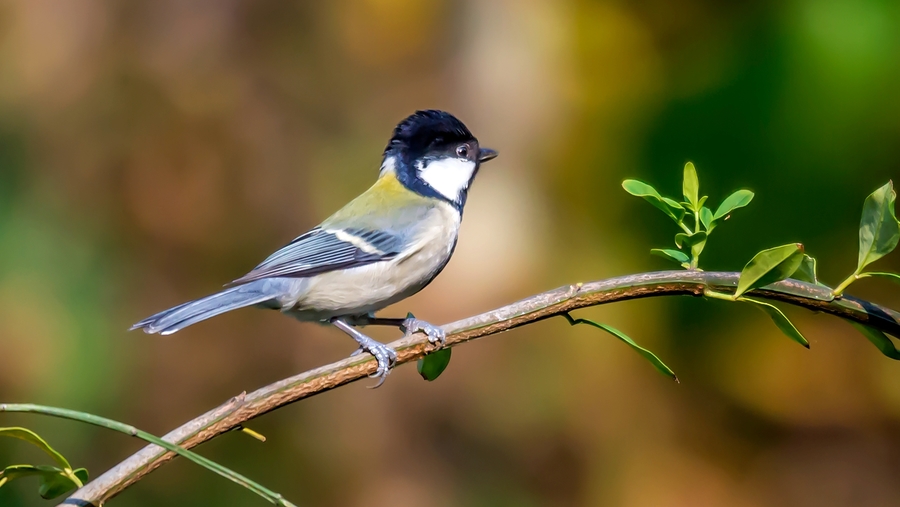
879	339
879	230
673	255
650	356
769	266
33	438
734	201
881	274
13	472
806	272
53	481
431	366
706	218
780	319
54	485
691	186
640	189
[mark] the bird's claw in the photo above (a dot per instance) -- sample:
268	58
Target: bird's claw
384	355
436	335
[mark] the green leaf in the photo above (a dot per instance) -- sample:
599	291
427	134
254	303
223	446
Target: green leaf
706	218
769	266
650	356
82	475
431	366
806	272
13	472
734	201
683	239
691	186
33	438
695	241
54	485
880	274
698	244
640	189
702	201
673	255
780	319
879	230
53	481
879	339
675	206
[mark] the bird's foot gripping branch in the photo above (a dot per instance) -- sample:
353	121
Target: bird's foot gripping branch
784	274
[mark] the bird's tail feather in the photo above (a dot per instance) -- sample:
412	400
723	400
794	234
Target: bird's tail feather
192	312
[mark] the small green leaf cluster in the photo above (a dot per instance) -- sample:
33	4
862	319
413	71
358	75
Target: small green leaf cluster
54	480
701	220
879	234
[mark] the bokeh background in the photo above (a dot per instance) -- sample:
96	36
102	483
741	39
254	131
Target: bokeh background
152	150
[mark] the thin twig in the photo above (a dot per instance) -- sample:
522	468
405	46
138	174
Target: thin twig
244	407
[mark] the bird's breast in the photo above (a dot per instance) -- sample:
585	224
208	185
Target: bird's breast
369	288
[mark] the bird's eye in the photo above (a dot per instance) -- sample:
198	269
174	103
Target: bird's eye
462	151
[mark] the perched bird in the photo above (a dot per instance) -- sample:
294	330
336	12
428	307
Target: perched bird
382	247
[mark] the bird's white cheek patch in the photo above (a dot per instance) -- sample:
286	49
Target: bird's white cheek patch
449	176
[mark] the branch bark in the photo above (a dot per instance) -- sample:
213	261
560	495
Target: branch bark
542	306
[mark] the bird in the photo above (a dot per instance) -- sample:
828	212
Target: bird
384	246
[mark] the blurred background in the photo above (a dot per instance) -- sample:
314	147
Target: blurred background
152	150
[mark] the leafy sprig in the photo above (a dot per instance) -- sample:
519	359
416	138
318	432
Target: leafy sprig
879	234
701	220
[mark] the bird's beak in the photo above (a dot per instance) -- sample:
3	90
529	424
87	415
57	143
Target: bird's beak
485	154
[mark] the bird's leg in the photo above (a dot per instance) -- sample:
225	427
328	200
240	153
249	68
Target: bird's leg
409	325
385	355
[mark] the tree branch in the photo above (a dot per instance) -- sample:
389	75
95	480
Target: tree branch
548	304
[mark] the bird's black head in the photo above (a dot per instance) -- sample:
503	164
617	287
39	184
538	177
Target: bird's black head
434	154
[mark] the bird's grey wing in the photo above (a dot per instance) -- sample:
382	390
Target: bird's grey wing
322	250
